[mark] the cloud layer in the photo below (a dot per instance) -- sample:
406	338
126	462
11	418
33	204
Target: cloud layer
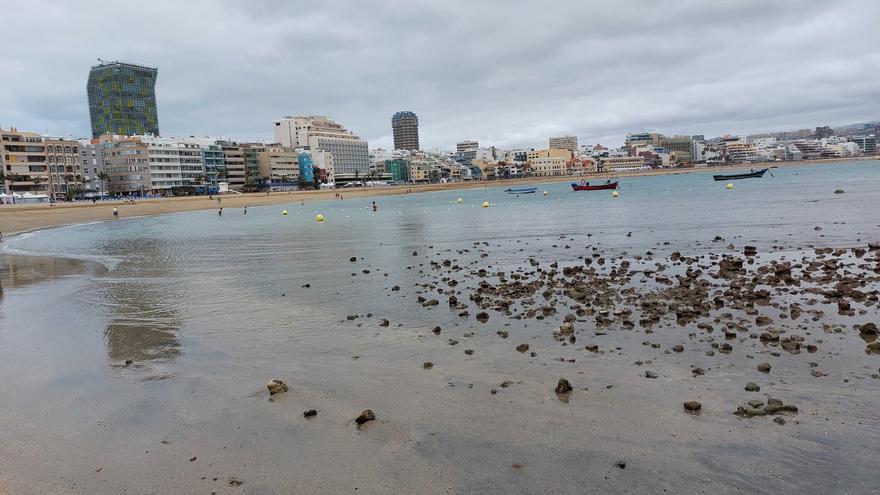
508	73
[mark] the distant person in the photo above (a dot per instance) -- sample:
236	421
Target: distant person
220	212
245	209
115	213
375	207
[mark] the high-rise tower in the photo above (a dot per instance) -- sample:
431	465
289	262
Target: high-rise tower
122	99
406	130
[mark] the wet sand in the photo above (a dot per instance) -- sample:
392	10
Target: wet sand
24	218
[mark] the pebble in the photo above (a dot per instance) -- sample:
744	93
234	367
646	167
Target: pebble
692	406
276	386
522	347
764	367
650	374
752	387
563	387
365	416
310	413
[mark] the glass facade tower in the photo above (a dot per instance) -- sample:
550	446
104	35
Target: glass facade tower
122	99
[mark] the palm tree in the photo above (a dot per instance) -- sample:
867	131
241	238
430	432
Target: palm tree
103	177
37	181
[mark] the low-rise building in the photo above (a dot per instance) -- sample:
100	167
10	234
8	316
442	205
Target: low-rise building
548	166
622	164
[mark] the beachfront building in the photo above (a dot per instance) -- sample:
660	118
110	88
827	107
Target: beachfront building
622	164
24	162
65	169
867	144
679	148
398	169
569	143
251	154
280	166
122	99
165	166
548	166
91	159
405	126
467	150
126	163
232	172
351	154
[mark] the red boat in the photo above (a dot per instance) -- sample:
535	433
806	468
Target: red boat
585	186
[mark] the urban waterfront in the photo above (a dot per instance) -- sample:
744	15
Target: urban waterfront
137	351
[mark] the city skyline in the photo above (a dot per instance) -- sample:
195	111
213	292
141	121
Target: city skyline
598	80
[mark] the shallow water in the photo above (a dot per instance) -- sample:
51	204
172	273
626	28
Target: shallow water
209	308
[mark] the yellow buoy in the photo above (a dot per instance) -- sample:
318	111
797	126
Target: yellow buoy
615	194
546	193
459	200
730	185
485	204
319	218
284	212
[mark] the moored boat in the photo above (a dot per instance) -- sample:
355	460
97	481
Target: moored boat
585	186
521	190
754	174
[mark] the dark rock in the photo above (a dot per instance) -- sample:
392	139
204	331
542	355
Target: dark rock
364	416
563	387
482	317
469	352
620	464
678	348
353	259
650	374
692	406
764	367
503	334
428	365
752	387
384	323
838	191
522	347
436	330
310	413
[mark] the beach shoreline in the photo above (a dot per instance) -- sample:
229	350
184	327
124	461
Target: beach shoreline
19	219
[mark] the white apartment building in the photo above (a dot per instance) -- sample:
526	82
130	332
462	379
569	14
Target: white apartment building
173	163
351	154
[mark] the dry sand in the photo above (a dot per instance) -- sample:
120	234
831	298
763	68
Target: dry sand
15	219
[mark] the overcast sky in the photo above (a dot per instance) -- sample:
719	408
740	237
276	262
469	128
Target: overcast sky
507	73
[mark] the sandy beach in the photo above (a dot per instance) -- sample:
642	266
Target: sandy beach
24	218
682	338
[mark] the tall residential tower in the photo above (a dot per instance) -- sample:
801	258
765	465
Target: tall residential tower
406	130
122	99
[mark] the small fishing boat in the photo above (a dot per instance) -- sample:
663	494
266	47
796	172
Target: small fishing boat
753	174
521	190
585	186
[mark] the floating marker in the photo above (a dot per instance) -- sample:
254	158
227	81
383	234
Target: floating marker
459	201
284	212
730	185
615	194
485	204
319	218
546	193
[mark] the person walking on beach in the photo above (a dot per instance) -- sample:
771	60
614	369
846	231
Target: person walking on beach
375	207
220	212
115	214
245	209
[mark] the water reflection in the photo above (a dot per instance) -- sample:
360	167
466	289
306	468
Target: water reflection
17	272
141	300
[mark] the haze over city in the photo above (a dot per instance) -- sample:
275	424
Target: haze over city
506	77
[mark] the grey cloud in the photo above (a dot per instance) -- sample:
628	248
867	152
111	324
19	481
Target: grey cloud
509	73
